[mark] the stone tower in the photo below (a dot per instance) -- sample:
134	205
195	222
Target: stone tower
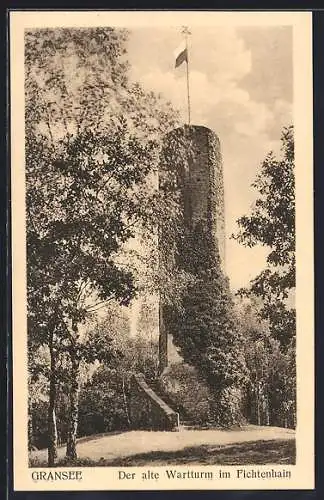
202	187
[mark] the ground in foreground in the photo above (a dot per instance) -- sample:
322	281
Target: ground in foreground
250	445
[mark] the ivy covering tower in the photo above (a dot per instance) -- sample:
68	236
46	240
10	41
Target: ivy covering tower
202	324
199	178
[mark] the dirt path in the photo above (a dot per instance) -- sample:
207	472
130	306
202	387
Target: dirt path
136	442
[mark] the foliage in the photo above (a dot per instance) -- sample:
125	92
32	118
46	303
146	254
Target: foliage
93	143
101	405
88	166
104	390
272	224
271	387
204	329
38	430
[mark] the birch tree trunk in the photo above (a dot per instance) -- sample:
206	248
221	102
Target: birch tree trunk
30	426
125	400
258	403
74	409
52	428
71	452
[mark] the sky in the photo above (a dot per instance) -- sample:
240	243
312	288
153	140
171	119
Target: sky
241	88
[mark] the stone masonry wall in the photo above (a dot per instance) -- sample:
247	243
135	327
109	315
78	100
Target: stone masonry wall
202	187
204	193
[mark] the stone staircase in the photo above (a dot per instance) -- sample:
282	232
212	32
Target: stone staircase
185	423
147	409
153	408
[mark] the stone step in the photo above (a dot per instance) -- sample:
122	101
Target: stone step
187	424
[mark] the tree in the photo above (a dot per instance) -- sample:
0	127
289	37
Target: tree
272	224
205	331
271	385
93	142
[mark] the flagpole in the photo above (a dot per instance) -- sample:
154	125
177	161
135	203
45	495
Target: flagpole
188	87
186	32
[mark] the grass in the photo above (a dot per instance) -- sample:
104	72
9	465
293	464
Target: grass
251	453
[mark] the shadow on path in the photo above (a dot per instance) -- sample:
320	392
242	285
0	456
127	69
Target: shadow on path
252	453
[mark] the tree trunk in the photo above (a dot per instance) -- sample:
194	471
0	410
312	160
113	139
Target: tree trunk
258	404
30	427
71	452
267	411
52	428
125	401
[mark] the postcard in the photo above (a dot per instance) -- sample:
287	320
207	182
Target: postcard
162	250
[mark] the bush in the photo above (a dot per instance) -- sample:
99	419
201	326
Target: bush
37	429
103	404
187	393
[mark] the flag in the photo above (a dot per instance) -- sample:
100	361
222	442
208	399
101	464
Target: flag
181	54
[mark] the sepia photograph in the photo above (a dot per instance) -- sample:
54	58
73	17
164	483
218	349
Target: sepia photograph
154	209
